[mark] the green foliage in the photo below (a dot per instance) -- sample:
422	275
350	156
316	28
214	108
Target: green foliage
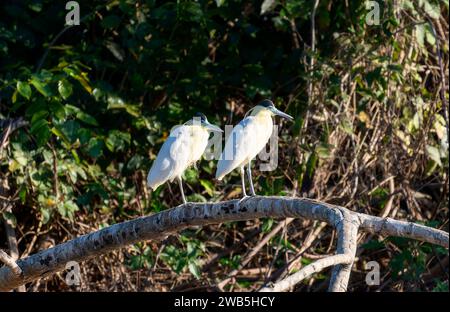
187	257
101	99
142	257
232	262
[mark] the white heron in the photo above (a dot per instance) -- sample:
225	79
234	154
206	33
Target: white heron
183	148
246	140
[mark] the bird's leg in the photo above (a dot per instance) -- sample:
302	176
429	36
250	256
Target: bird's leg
249	174
180	181
243	181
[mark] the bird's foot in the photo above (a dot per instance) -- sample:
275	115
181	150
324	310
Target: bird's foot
244	197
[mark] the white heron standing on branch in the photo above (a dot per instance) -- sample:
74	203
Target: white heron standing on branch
182	149
246	140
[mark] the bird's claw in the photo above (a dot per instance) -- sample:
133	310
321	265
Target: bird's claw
245	197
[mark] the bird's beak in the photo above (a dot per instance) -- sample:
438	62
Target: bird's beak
212	127
281	114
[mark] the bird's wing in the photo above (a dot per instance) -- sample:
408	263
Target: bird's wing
172	158
238	147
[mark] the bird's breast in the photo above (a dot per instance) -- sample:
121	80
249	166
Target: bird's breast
199	141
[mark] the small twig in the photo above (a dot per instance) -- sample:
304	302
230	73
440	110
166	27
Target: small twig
441	69
313	234
5	137
253	252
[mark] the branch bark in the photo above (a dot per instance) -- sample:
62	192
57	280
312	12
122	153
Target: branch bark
9	125
315	267
10	263
158	226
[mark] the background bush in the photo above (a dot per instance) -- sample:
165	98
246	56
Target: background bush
370	129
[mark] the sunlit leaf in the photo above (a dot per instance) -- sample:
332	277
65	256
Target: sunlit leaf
24	89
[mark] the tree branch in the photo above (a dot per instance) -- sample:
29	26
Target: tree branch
10	263
158	226
315	267
347	233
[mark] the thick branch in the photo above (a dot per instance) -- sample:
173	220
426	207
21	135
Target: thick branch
391	227
347	233
160	225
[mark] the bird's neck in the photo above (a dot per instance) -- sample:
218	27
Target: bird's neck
262	114
198	129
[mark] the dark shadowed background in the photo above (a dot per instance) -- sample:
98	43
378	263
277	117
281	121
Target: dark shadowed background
370	131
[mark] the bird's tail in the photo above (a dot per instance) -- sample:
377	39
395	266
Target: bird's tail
151	183
221	171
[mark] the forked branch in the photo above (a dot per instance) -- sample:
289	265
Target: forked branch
158	226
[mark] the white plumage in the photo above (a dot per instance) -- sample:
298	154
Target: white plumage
184	146
246	140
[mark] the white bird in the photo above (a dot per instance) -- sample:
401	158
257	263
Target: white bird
246	140
183	148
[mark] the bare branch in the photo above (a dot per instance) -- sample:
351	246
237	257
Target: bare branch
158	226
315	267
10	263
252	253
391	227
347	233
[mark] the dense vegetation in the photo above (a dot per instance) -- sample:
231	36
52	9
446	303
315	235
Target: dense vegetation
370	130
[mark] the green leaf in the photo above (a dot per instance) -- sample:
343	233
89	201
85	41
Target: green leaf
14	97
323	150
45	215
429	35
24	89
70	130
57	109
208	185
86	118
135	162
117	140
115	102
190	175
420	35
43	134
67	209
432	9
23	195
219	3
65	88
312	163
81	77
10	218
95	147
267	225
347	126
194	269
37	124
41	86
98	94
21	157
434	154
